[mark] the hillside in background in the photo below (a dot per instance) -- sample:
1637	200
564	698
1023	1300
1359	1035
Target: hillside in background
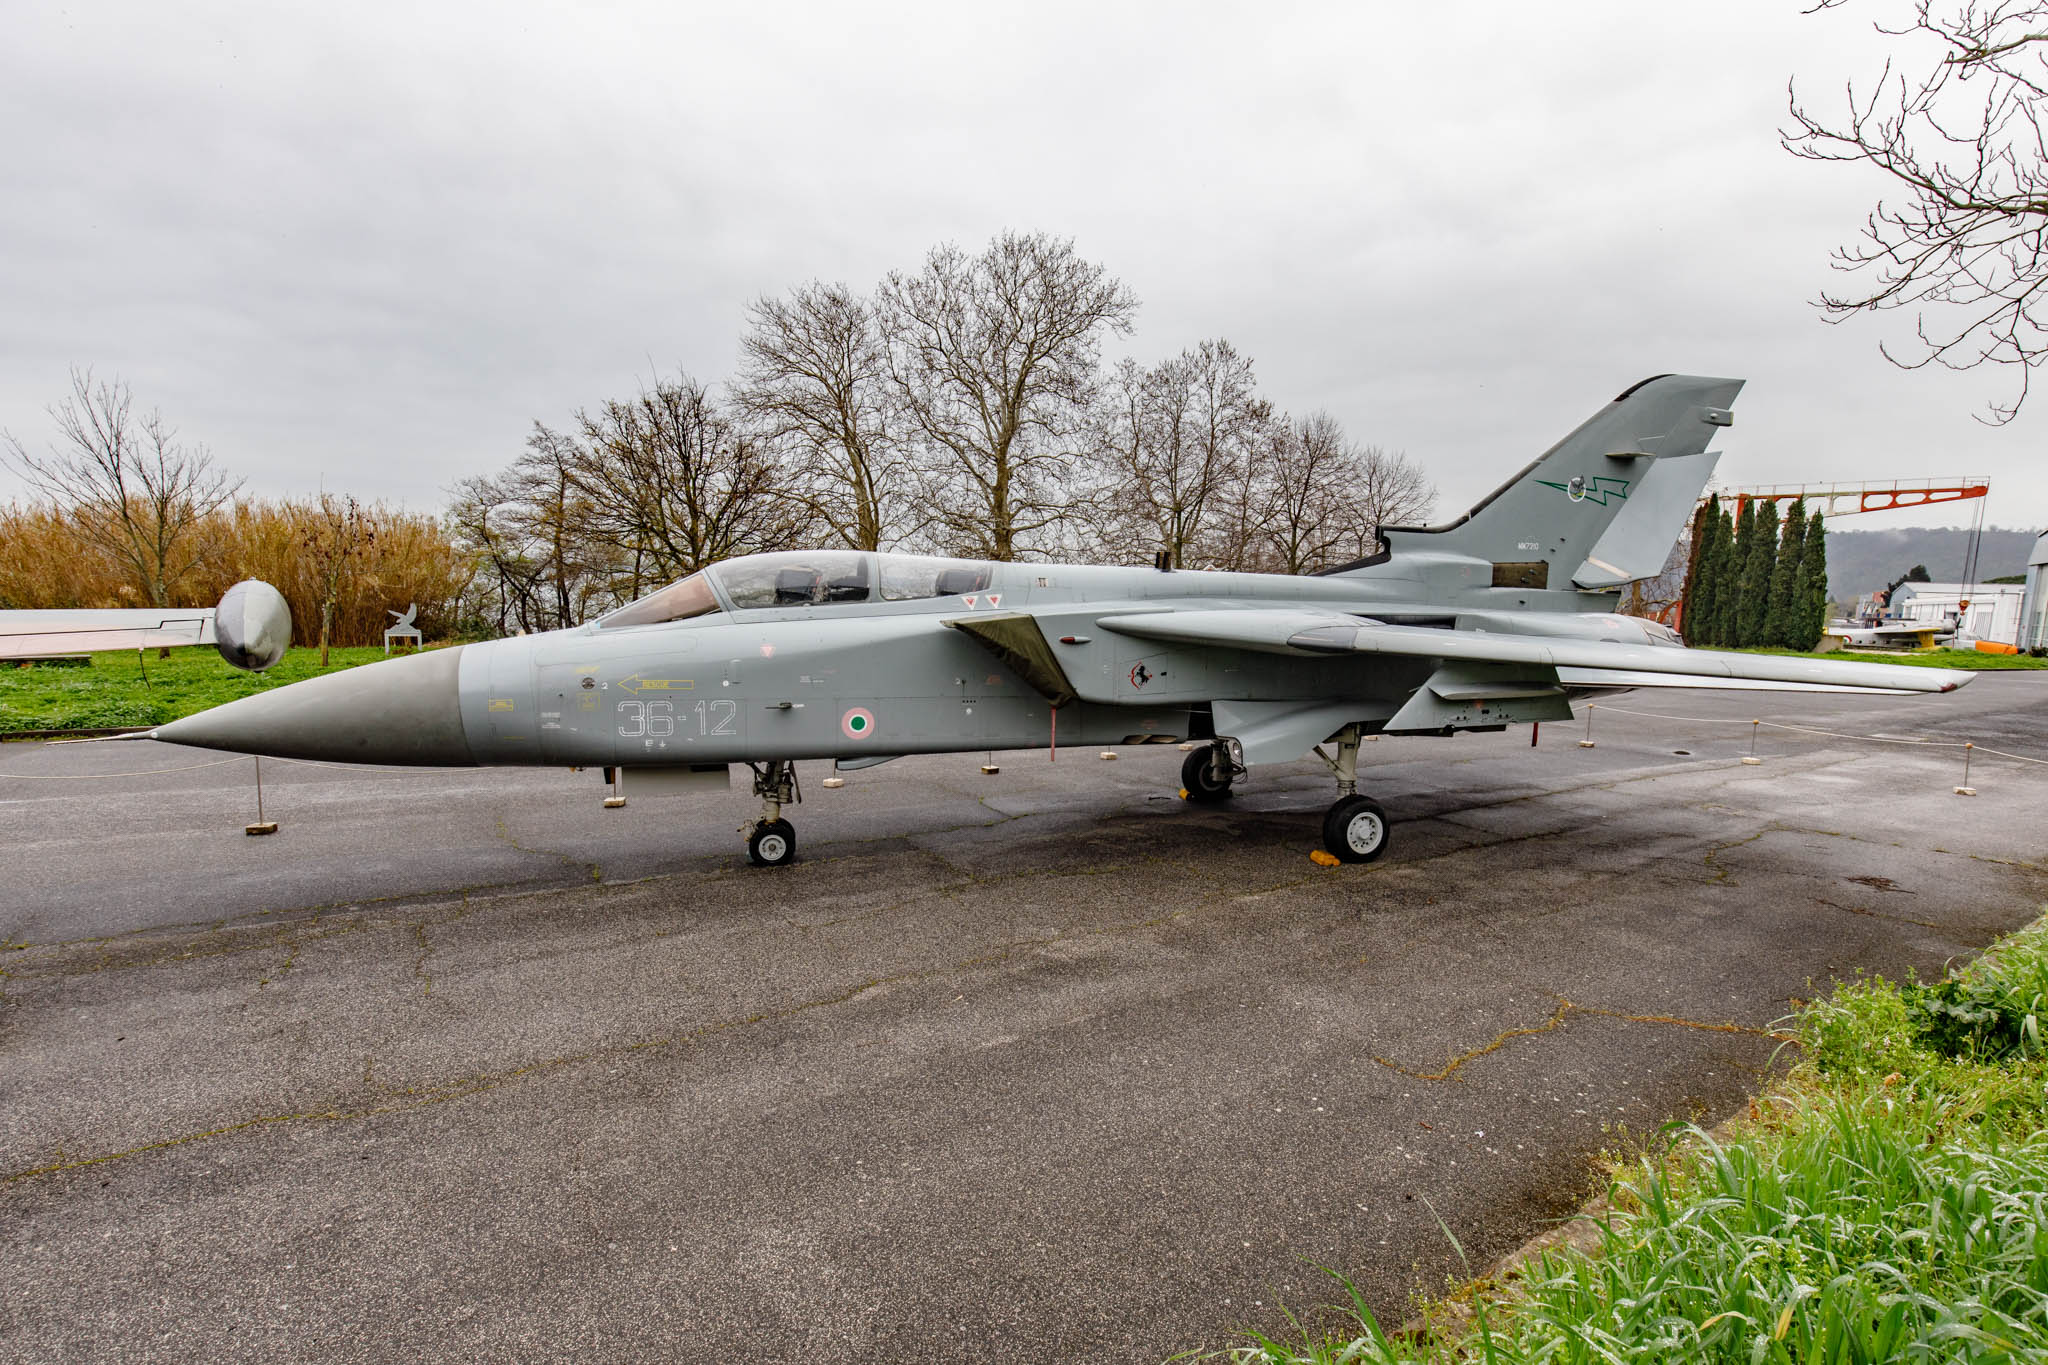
1864	561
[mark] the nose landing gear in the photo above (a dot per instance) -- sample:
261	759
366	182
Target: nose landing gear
771	840
772	843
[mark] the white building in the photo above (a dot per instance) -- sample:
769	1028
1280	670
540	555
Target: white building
2034	607
1993	612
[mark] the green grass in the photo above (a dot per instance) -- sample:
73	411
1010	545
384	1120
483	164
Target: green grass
1964	660
1890	1204
112	692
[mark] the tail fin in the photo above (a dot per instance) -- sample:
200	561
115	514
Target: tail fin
1540	528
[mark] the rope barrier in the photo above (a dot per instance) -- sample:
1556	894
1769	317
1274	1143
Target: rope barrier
365	768
1816	730
95	777
236	758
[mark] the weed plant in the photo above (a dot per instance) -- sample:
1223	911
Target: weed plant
1889	1202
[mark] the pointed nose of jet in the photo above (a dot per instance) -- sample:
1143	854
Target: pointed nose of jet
404	711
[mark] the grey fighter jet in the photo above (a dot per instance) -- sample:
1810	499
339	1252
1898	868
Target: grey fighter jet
1501	617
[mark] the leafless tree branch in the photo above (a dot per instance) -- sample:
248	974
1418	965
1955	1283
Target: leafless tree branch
136	493
1961	238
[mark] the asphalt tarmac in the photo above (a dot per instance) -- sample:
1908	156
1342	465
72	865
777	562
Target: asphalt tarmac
1046	1065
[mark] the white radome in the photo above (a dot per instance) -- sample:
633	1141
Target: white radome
252	627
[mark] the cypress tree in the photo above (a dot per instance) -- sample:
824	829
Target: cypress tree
1753	581
1725	567
1703	592
1725	562
1810	596
1778	623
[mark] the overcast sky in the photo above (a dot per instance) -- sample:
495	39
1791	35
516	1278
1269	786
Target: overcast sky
370	244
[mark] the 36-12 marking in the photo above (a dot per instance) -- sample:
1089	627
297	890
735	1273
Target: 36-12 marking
657	719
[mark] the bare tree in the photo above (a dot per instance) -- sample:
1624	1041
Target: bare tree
815	381
134	492
1229	421
1112	525
1379	489
672	484
529	527
1311	499
491	523
333	534
557	510
994	357
1962	239
1306	519
1172	440
1243	502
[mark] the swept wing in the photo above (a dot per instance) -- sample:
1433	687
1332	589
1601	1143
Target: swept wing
1309	633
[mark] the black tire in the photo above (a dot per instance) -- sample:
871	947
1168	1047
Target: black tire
1356	830
1198	779
772	844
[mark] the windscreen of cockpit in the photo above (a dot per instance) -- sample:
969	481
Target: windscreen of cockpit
676	602
796	579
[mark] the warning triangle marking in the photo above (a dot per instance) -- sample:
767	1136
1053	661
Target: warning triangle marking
970	601
995	599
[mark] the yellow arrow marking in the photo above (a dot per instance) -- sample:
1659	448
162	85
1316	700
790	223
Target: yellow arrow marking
637	684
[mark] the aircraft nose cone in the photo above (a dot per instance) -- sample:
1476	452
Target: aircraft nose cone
402	711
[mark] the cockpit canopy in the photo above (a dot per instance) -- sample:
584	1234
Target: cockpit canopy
803	578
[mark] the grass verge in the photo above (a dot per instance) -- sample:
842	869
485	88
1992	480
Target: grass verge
114	691
1888	1201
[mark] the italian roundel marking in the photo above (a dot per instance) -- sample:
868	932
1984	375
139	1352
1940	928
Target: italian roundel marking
858	723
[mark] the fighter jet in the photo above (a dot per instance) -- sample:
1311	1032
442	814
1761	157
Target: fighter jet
1502	617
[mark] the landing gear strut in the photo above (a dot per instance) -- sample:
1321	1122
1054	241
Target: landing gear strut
1206	774
1355	829
771	840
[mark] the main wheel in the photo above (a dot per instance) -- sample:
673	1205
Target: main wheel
1355	829
1198	779
772	844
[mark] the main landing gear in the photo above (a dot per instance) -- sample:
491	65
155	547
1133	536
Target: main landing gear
771	840
1206	774
1355	829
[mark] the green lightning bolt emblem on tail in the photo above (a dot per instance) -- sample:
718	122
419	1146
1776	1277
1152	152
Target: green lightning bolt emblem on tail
1597	490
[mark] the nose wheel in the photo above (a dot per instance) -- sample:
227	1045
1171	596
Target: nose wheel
772	844
771	840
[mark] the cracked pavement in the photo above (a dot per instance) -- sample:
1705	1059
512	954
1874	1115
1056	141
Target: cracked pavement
1045	1065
